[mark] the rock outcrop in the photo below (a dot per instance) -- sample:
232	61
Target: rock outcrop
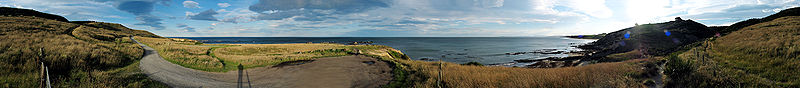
652	39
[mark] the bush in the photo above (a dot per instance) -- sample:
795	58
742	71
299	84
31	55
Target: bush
472	64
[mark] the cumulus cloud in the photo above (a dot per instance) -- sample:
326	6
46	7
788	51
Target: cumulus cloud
415	17
223	5
207	15
191	4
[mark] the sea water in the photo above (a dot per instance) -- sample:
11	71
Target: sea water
485	50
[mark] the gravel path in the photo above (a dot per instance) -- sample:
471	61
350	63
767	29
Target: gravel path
332	72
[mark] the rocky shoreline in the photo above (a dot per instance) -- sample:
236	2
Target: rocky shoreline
642	40
574	58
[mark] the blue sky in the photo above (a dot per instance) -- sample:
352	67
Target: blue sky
397	18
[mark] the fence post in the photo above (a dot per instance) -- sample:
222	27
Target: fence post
48	76
439	81
41	76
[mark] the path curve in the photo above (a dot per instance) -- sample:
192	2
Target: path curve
332	72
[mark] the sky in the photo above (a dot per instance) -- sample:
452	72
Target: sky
397	18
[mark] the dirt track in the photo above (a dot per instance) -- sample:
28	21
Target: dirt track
332	72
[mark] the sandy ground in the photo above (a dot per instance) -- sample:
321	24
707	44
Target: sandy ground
332	72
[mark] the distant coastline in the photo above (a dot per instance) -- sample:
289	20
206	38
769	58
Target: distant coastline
597	36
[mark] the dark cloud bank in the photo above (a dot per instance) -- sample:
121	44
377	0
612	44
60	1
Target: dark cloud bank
312	10
142	9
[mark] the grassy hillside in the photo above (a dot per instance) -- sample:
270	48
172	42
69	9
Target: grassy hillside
762	55
648	39
739	25
15	12
78	55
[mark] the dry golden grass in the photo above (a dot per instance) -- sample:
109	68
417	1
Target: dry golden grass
462	76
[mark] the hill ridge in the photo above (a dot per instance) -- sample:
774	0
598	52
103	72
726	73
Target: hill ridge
8	11
78	54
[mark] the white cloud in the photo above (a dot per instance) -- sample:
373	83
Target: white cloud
223	10
191	4
71	9
594	8
223	5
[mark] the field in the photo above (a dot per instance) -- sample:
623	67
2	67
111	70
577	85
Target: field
408	73
225	57
761	55
76	54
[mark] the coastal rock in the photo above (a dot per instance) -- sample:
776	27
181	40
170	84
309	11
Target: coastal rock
553	62
359	43
527	60
425	59
547	64
516	53
553	52
548	51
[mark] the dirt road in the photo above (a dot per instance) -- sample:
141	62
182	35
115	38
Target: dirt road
332	72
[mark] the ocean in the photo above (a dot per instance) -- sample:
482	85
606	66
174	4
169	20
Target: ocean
485	50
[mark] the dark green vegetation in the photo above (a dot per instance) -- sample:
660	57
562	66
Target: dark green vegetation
15	12
473	63
80	54
650	39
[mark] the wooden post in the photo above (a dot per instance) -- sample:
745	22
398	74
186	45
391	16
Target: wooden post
42	71
45	72
439	81
41	76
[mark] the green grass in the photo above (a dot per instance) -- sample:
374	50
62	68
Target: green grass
761	55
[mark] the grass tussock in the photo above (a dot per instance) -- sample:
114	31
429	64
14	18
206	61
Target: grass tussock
761	55
77	55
